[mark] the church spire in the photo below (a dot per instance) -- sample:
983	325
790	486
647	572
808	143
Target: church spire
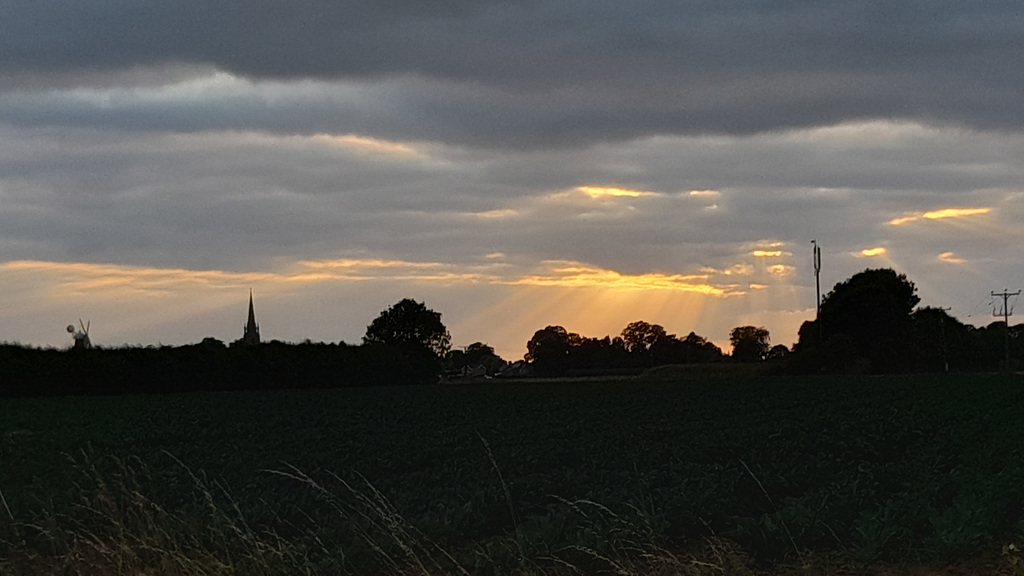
252	329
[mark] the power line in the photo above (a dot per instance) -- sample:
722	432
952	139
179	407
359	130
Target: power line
980	303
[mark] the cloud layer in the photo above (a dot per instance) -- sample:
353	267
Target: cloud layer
645	158
513	74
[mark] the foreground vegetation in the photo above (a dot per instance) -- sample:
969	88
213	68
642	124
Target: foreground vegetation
681	472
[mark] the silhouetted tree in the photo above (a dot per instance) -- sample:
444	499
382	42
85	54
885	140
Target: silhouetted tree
596	354
639	336
700	350
556	351
749	343
474	356
548	350
987	346
641	341
480	353
807	337
938	341
410	325
211	342
871	311
777	352
689	350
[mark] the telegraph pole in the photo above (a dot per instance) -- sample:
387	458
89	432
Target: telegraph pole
817	288
1005	295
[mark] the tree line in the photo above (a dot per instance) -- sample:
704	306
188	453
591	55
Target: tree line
869	323
554	351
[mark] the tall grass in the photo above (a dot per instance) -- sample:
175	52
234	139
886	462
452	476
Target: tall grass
121	523
116	526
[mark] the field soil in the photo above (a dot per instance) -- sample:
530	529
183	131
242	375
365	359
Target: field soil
910	475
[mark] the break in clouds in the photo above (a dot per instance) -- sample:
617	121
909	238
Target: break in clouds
509	142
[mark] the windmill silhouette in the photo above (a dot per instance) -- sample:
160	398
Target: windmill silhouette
81	337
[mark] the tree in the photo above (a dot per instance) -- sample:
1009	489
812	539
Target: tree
639	336
872	309
410	325
807	336
548	350
698	349
600	354
987	346
749	343
939	342
550	341
479	353
473	357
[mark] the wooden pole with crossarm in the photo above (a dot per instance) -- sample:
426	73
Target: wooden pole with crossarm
1006	313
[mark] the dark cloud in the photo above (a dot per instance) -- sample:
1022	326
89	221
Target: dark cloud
244	138
246	201
524	74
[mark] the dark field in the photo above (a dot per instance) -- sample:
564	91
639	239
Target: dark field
640	477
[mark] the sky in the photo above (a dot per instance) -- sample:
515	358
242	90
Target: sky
512	164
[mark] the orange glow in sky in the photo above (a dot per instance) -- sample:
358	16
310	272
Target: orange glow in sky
578	274
939	215
600	192
954	213
366	144
950	258
122	300
497	214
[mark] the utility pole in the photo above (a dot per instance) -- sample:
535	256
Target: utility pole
1006	313
817	289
